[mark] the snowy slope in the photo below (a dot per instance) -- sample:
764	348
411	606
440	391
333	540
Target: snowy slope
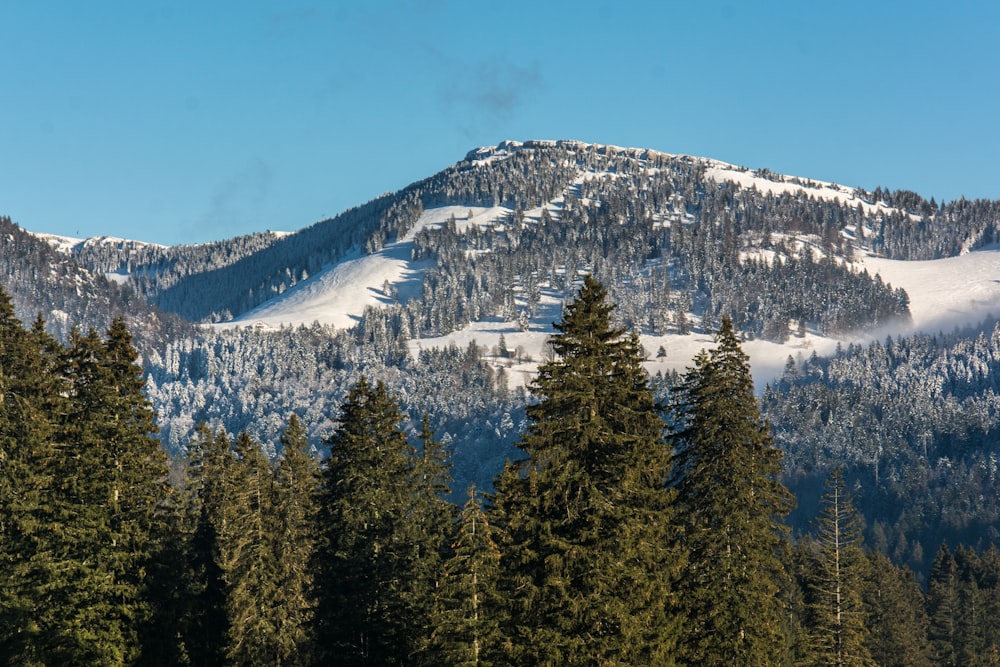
943	294
339	293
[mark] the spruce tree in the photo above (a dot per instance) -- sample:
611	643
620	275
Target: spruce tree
365	557
588	561
943	608
838	627
249	566
294	545
430	525
31	404
204	624
464	624
730	506
899	623
112	490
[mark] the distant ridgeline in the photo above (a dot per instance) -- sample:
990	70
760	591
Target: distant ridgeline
43	281
668	239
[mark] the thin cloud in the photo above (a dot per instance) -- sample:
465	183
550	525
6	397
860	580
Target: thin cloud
495	89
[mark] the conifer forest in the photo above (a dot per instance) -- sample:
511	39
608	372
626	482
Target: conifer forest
636	525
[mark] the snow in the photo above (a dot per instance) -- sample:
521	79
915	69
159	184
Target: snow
944	293
339	293
720	171
63	244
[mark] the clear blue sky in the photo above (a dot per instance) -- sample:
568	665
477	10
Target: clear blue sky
180	122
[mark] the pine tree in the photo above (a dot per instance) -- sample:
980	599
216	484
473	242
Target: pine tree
363	614
31	403
588	560
729	510
465	627
838	628
943	608
899	622
294	543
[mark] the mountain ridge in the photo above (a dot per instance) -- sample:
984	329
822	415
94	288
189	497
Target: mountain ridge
447	290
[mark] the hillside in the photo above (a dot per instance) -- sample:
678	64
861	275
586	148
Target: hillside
447	291
42	277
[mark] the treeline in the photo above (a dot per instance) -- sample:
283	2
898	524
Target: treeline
630	532
39	278
914	422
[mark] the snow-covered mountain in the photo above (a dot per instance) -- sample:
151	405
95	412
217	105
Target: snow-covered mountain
943	293
447	291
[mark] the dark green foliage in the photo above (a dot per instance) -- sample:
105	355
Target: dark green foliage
729	509
838	625
898	620
465	629
943	608
248	532
430	525
373	576
587	557
962	601
249	566
84	486
112	489
293	541
204	626
30	400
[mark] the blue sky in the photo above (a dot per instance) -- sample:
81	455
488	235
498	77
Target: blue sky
183	122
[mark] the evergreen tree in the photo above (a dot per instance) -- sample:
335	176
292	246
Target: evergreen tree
294	545
31	400
586	576
363	615
112	490
972	620
432	522
249	566
838	625
729	510
204	626
943	608
899	623
465	628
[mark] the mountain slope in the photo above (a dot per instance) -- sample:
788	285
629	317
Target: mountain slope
447	290
43	279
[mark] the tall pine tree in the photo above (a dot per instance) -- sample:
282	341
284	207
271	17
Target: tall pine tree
838	628
729	509
588	562
367	553
464	623
31	405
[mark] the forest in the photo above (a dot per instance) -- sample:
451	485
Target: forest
635	523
